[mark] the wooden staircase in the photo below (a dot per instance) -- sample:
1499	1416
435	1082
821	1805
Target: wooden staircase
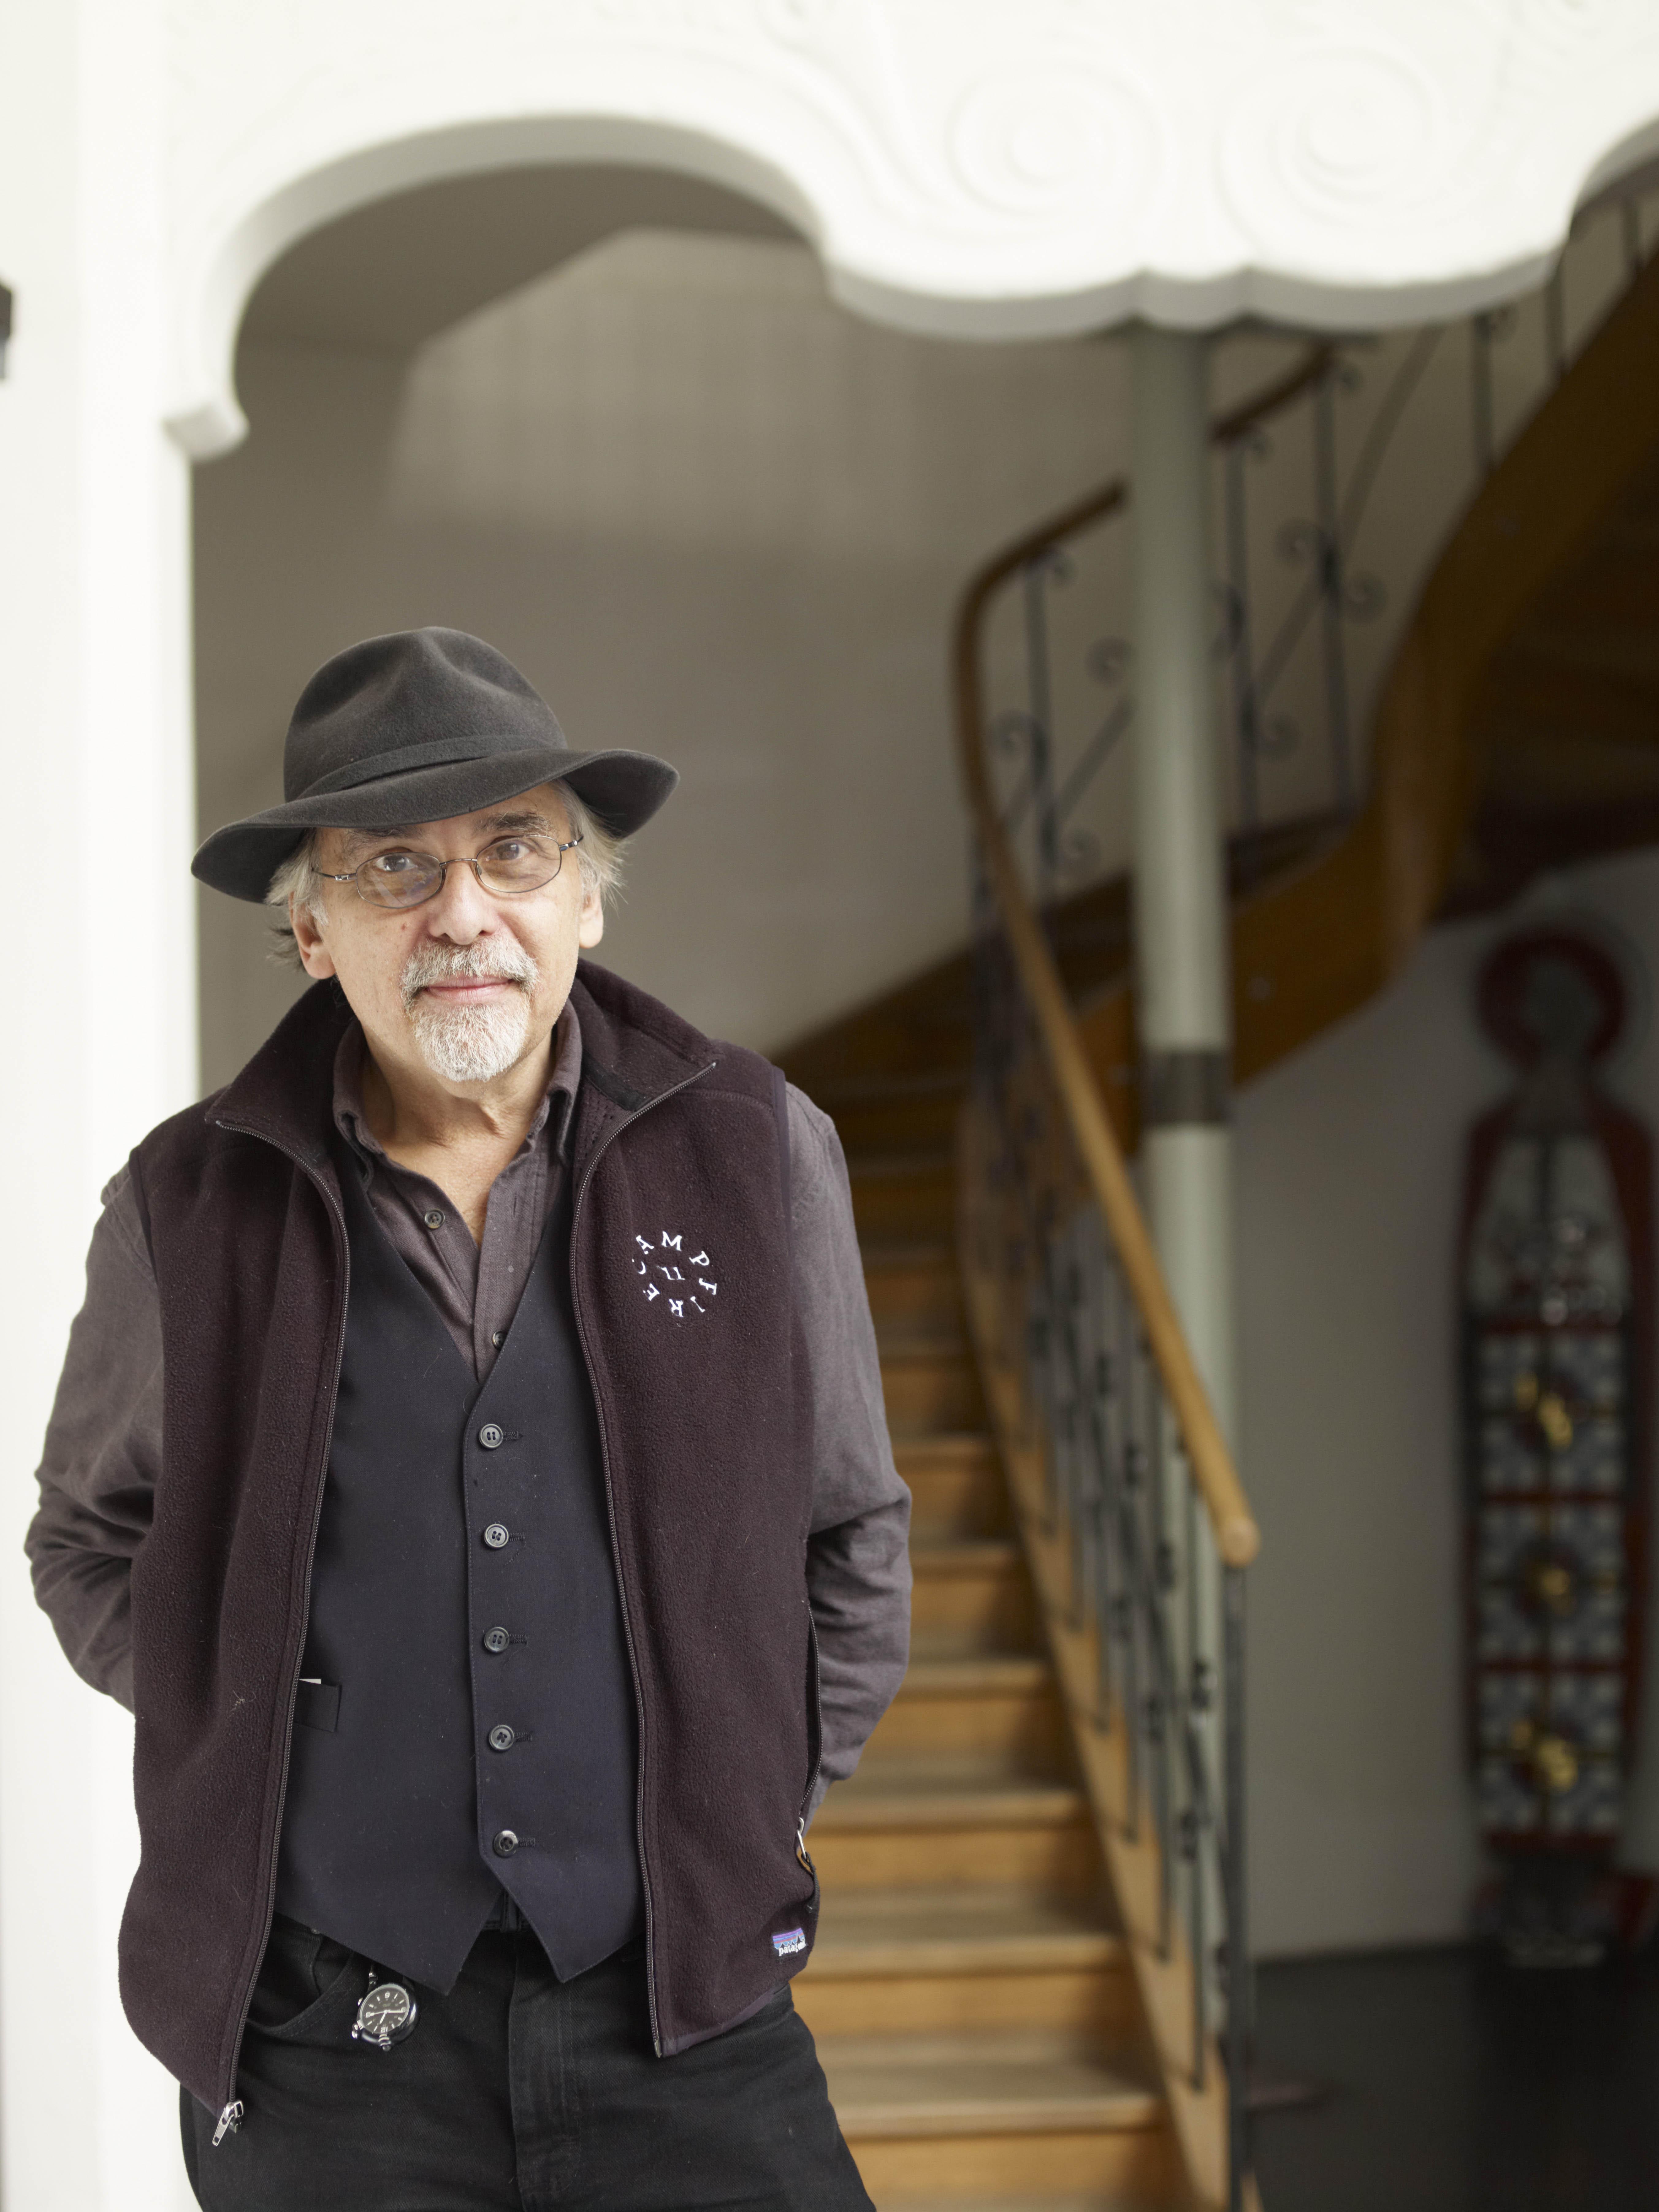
973	2005
973	2000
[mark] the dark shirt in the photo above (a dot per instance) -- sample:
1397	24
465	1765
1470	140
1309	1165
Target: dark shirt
476	1287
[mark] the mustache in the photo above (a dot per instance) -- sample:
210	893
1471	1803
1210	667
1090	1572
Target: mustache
506	962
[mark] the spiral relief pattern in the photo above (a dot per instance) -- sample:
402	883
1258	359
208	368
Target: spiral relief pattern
1345	137
1035	141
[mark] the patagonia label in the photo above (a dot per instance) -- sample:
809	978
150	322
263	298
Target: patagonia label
792	1940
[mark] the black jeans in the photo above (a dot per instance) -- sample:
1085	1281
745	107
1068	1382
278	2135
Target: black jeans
516	2092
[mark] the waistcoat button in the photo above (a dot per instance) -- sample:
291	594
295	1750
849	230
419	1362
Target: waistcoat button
489	1436
496	1640
502	1738
505	1843
435	1219
496	1535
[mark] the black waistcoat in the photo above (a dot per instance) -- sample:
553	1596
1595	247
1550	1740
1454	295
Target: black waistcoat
428	1765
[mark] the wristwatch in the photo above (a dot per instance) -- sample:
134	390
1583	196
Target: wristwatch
387	2015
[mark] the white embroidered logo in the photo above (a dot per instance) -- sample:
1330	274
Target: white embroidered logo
680	1284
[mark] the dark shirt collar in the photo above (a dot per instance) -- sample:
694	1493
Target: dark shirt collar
351	1119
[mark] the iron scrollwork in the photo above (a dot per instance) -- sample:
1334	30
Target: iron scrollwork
1296	479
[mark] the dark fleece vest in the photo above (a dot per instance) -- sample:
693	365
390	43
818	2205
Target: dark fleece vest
426	1762
680	1288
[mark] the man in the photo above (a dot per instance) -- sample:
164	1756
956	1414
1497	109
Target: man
469	1468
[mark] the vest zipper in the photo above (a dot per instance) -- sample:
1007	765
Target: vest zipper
231	2118
801	1851
627	1122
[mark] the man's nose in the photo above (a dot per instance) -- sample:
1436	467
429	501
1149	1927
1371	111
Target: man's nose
462	910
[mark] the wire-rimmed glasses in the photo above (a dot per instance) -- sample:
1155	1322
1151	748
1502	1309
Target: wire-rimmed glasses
507	869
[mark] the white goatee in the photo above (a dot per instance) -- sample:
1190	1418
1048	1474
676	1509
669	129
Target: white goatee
469	1044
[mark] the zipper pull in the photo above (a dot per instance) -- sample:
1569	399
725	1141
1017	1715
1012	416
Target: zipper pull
801	1851
230	2121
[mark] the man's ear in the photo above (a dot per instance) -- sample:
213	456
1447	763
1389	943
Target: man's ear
590	927
314	956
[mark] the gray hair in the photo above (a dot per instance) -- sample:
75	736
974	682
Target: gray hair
600	856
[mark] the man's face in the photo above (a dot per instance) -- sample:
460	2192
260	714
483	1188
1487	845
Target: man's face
469	984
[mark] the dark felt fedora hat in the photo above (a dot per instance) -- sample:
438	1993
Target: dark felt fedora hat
414	727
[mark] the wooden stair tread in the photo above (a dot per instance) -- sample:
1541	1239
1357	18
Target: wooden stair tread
878	1252
924	1160
945	1339
959	1931
945	1448
1024	2082
963	1645
966	1792
943	1558
916	1295
995	1673
1008	2204
955	1481
830	1092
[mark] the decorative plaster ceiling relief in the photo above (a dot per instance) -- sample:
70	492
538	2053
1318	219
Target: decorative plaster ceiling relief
972	168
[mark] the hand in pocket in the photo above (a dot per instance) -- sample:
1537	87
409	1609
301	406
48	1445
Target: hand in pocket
299	1968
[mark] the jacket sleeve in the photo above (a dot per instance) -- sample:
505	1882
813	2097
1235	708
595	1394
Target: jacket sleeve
103	1453
857	1558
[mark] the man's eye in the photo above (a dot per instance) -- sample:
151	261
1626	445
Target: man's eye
394	864
512	848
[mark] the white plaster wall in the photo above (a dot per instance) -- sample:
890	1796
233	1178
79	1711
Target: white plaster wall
1350	1166
100	1008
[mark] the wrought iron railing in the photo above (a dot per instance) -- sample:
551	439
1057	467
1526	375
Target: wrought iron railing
1135	1522
1123	1483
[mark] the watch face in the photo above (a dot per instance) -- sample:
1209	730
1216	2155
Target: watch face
385	2015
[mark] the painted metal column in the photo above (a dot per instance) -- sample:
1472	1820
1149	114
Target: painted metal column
1182	951
1184	1008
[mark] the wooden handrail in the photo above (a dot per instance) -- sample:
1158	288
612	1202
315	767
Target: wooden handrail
1238	1537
